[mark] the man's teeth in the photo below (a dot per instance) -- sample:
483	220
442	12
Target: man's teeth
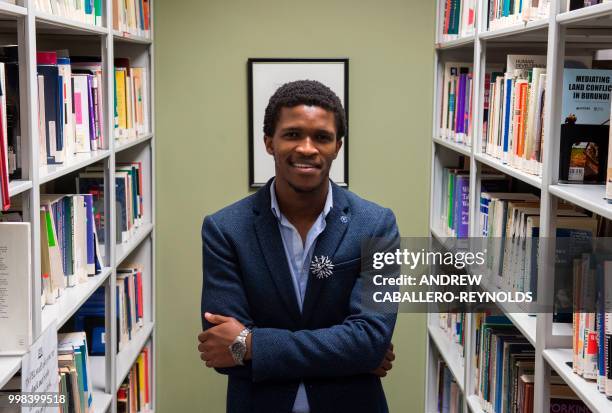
302	165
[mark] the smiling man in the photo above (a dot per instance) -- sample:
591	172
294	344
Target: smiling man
281	297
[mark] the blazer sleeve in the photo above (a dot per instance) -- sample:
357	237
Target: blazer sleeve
222	290
357	346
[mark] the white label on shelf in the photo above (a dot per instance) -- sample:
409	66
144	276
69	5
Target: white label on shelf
39	368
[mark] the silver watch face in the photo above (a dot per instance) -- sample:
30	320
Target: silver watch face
238	349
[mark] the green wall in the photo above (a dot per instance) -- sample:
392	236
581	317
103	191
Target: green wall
201	49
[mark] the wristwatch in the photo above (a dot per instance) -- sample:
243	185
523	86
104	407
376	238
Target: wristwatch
238	347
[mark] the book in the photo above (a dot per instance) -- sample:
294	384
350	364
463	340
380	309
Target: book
52	106
16	307
503	14
514	117
455	112
132	17
73	353
9	56
133	395
584	133
131	101
84	11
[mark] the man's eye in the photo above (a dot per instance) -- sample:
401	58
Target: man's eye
292	134
324	138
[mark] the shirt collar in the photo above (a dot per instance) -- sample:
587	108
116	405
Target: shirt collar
329	202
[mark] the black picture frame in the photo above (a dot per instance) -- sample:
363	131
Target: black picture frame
256	82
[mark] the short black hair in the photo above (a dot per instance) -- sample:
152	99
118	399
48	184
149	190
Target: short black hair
304	92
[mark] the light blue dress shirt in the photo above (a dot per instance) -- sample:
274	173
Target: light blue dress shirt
299	256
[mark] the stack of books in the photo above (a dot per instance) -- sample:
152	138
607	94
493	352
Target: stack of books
130	310
456	109
70	102
131	101
85	11
134	394
449	392
74	373
459	17
514	110
129	197
70	252
132	16
505	13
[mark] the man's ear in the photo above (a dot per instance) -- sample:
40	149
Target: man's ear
268	143
338	147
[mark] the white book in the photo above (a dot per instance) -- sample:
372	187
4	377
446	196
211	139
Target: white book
16	278
81	113
524	62
68	125
80	238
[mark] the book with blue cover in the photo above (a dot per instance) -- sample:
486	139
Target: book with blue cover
586	96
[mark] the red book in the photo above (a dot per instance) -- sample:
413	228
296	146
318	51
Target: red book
446	16
46	58
145	8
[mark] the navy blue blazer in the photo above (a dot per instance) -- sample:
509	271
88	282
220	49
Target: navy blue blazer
334	343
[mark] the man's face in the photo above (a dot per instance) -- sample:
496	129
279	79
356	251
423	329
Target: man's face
304	146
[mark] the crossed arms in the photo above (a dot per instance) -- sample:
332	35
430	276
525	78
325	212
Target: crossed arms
359	345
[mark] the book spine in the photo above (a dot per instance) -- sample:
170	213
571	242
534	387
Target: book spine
453	27
459	125
96	111
507	116
465	207
91	265
92	115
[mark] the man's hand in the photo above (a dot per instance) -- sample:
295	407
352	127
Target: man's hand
386	364
215	342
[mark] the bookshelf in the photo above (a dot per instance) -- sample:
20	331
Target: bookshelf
555	35
34	30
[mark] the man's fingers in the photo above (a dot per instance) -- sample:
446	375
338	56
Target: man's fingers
216	318
202	337
391	346
390	355
209	364
202	347
380	372
386	365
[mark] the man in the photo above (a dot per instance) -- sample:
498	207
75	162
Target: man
282	305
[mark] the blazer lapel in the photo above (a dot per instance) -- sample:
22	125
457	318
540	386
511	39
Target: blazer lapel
337	222
271	245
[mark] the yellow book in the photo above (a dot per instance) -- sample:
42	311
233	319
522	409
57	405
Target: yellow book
121	99
141	380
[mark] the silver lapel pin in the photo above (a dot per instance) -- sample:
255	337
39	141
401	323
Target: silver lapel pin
321	267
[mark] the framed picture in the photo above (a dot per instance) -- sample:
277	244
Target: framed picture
265	76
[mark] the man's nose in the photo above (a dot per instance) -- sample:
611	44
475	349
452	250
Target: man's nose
307	147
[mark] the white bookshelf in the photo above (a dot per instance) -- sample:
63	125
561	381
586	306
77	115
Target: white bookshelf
34	30
449	351
551	36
